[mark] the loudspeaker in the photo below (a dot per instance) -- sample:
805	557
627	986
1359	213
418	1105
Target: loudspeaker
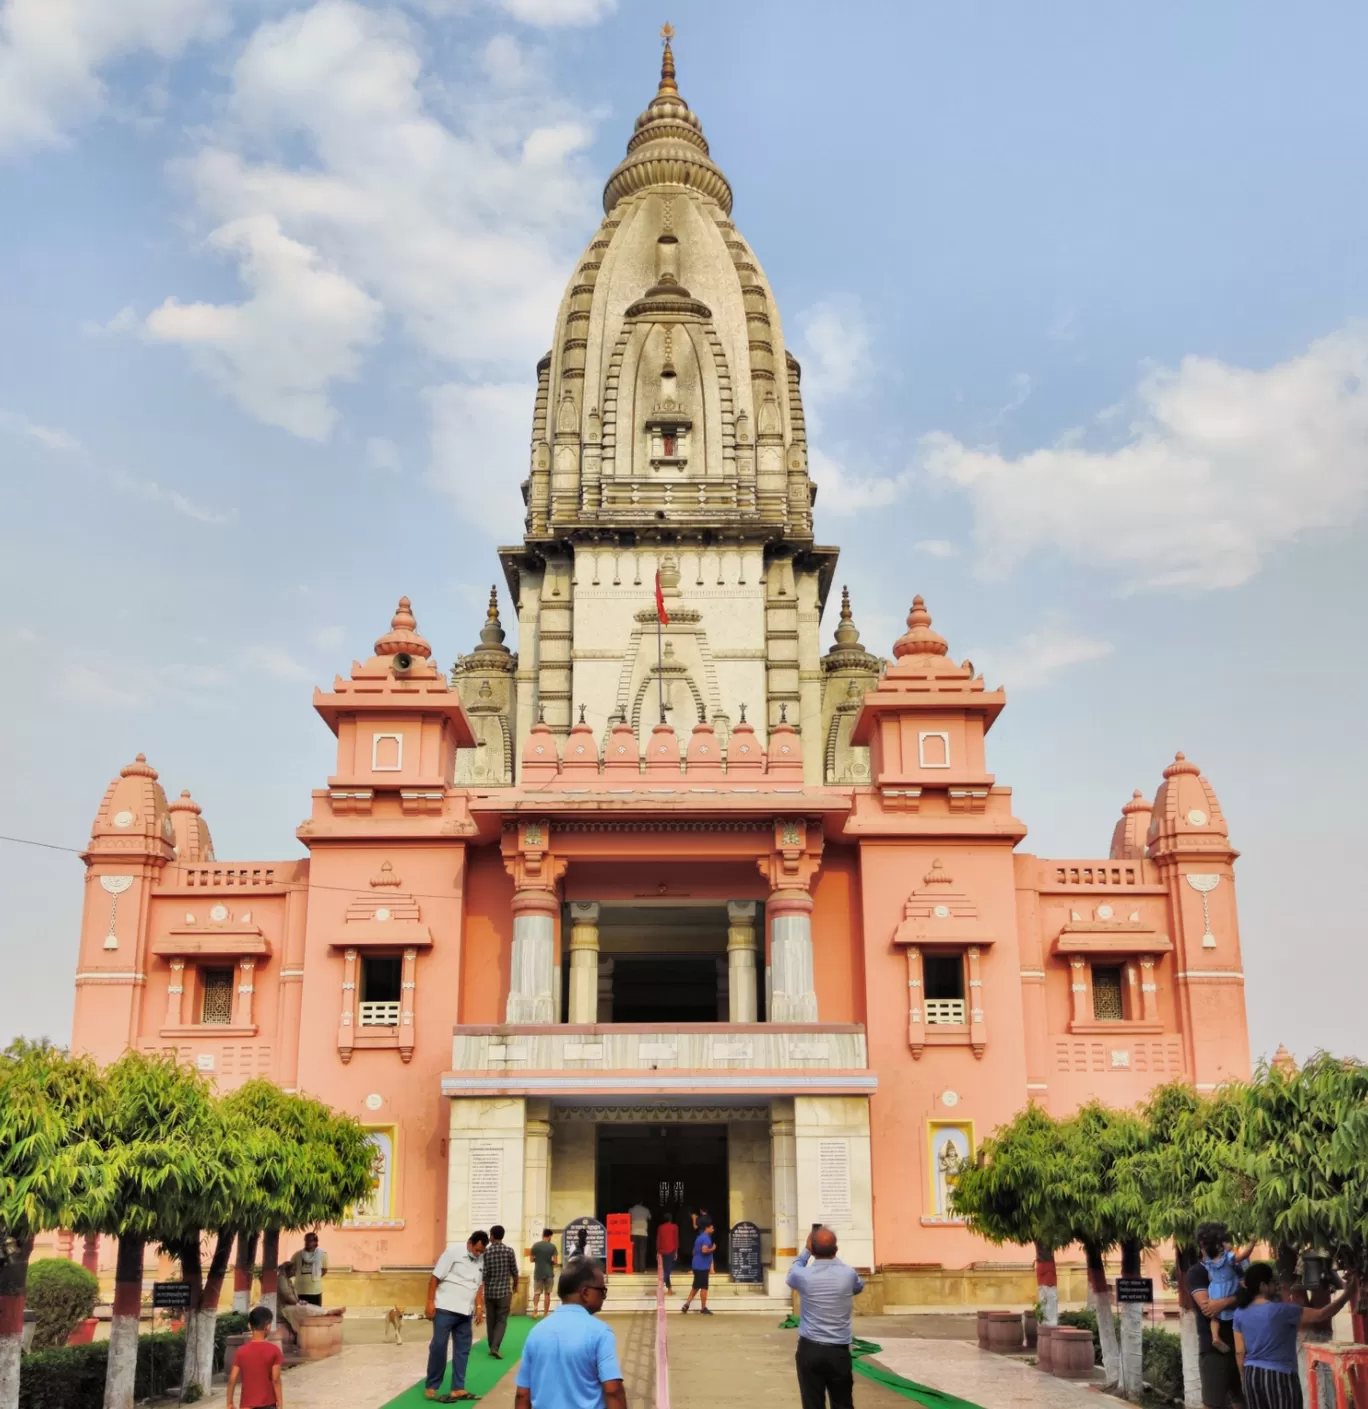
403	661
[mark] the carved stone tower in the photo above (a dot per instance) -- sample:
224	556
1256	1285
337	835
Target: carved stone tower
668	437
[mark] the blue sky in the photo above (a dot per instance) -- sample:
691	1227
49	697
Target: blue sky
1079	293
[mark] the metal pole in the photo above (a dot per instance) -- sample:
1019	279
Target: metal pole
660	668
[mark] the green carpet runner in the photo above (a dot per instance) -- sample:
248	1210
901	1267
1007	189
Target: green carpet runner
483	1372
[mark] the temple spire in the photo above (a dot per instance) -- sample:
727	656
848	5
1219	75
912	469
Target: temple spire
919	639
667	64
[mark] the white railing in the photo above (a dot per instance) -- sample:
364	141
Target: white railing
384	1014
945	1010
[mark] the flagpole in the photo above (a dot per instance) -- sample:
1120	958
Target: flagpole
660	668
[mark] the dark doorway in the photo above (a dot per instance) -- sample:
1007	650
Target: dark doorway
667	988
634	1160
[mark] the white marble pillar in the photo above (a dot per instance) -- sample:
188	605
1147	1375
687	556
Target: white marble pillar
536	1173
793	998
784	1174
584	960
531	984
741	976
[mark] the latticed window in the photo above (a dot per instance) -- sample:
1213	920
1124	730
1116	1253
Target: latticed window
1108	1006
943	976
218	996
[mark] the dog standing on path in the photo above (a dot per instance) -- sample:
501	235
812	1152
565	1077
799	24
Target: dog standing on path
394	1321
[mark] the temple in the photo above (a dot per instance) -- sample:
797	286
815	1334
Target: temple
671	905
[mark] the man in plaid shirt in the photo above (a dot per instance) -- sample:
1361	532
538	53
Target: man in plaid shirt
500	1283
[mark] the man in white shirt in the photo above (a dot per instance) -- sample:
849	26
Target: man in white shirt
455	1304
641	1224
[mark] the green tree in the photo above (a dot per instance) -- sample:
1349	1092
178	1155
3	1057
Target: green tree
1109	1212
63	1294
1017	1191
160	1158
51	1171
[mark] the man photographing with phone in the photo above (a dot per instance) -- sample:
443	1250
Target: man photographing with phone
828	1288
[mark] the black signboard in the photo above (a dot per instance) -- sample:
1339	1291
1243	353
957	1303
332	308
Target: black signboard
171	1296
743	1253
595	1245
1132	1291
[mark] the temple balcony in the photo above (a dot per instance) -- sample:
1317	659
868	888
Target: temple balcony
628	1059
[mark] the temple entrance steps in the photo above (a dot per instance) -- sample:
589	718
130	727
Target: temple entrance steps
635	1291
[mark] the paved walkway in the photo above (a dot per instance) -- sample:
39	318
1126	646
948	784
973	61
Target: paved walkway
742	1360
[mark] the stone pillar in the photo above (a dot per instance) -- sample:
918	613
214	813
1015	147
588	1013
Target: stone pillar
90	1252
175	993
531	985
246	988
792	996
584	962
536	1173
741	978
784	1176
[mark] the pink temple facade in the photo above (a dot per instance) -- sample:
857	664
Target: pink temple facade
559	956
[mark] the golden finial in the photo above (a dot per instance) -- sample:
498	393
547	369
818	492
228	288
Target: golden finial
667	65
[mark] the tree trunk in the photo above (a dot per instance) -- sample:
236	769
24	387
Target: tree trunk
1099	1298
1047	1285
199	1334
242	1272
191	1260
13	1281
270	1260
1187	1333
1132	1330
122	1367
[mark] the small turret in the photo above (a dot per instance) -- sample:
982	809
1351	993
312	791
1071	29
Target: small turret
581	752
1132	829
192	840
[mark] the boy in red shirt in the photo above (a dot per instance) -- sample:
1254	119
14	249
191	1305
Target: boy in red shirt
667	1247
257	1366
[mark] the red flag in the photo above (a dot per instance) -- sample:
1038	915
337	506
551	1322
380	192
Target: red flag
661	613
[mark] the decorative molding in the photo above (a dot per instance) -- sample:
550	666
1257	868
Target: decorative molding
655	1115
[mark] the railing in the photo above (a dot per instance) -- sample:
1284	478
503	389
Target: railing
662	1355
945	1010
379	1015
229	876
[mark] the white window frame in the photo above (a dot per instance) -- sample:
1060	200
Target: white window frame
376	765
921	747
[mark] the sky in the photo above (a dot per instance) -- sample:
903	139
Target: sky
1080	294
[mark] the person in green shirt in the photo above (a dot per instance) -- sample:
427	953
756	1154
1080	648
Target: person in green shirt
544	1259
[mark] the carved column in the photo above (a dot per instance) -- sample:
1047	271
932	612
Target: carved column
978	1026
584	962
784	1173
346	1021
741	977
1079	990
916	1013
407	992
532	982
793	998
1149	992
536	1172
242	1005
175	994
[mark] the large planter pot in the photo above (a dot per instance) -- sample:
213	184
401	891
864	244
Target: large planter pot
1028	1321
982	1320
1044	1341
1071	1353
1005	1334
84	1334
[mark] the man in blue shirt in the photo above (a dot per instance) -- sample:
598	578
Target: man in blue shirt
570	1360
828	1288
704	1247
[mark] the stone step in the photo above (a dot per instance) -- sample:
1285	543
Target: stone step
777	1307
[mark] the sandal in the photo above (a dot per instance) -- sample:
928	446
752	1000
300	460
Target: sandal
457	1396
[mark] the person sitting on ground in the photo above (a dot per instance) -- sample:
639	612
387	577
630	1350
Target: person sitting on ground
828	1288
704	1248
256	1366
569	1360
1266	1336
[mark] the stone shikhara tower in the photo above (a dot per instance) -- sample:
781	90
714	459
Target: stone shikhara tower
668	436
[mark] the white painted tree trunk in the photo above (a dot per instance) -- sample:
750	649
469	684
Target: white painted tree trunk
1132	1351
199	1349
1100	1301
13	1282
1191	1347
10	1346
122	1366
1049	1305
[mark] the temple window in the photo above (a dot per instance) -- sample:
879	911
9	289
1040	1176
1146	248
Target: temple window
382	977
933	749
387	753
217	1003
1108	990
944	988
668	443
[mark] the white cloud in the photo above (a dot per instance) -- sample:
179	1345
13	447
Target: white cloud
559	12
330	638
935	547
1219	466
480	438
834	351
276	353
50	436
275	662
1039	656
382	454
181	503
52	53
841	492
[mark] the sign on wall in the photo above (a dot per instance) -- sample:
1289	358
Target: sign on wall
743	1253
171	1296
486	1183
596	1243
1134	1291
